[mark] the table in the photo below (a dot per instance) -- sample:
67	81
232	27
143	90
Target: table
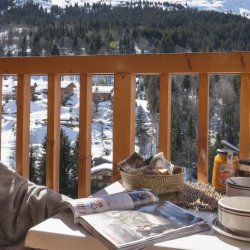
60	233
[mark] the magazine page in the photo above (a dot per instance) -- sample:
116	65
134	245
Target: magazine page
142	227
122	200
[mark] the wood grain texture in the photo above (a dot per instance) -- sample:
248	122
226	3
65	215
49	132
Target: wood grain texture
165	115
23	125
203	127
85	126
124	119
53	132
245	116
218	62
1	113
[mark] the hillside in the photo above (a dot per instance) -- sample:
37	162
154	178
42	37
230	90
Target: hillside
232	6
29	30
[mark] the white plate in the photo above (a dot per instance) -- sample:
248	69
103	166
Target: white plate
218	227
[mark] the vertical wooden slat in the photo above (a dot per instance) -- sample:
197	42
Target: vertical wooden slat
23	125
53	132
1	107
245	116
203	127
124	119
85	126
165	116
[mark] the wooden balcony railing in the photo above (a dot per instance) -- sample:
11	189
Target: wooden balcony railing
124	68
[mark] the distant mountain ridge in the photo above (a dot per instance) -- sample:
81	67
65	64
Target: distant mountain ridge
241	7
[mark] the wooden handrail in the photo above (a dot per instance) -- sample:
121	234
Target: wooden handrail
233	62
124	68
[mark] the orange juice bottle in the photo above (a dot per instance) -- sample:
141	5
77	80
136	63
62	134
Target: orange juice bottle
225	166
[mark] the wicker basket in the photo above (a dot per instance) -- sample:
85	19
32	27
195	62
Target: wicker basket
159	183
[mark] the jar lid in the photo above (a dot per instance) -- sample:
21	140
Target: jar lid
225	152
244	161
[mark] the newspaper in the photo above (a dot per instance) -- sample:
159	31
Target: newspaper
155	165
118	201
142	227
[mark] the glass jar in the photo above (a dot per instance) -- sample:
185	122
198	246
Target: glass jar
226	164
244	168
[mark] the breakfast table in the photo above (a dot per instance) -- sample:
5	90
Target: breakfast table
61	233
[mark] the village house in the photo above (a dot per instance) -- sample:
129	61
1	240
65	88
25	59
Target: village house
68	91
33	96
102	93
101	176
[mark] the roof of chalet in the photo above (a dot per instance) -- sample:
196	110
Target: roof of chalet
102	89
101	167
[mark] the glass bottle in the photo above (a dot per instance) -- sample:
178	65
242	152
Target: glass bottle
226	164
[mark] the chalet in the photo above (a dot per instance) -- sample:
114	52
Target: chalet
68	91
101	176
102	93
32	92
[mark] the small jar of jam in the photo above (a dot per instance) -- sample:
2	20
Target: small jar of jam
226	164
244	168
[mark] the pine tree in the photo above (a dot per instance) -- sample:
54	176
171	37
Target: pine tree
54	50
141	130
23	46
186	83
65	163
41	170
32	164
74	170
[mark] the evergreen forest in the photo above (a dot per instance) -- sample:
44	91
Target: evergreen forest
29	30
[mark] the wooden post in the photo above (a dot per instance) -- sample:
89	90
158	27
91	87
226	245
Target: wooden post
23	125
245	116
124	119
53	132
165	115
1	112
85	127
203	128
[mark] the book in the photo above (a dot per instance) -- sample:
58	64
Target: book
143	222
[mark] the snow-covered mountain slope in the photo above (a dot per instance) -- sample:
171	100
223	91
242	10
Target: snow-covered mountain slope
233	6
241	7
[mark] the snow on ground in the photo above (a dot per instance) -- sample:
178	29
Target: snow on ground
102	143
102	122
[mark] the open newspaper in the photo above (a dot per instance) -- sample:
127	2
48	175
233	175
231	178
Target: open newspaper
134	221
126	200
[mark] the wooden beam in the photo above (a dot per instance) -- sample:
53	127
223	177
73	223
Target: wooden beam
203	128
1	112
124	119
245	116
53	132
85	127
23	125
230	62
165	115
